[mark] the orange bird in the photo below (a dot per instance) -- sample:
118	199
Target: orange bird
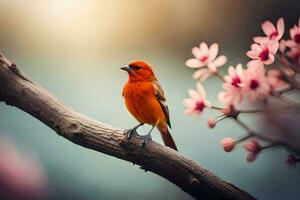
145	100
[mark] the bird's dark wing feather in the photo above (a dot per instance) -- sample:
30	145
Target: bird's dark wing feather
159	93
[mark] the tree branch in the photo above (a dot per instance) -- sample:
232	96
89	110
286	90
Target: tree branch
19	91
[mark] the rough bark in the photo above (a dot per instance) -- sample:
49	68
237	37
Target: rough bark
19	91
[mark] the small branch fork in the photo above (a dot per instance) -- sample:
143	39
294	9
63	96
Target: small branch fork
19	91
233	114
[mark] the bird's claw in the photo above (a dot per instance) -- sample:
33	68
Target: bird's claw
129	132
145	138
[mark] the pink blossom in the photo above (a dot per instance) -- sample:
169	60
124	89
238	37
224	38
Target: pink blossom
275	80
205	57
273	34
197	102
253	148
228	144
233	85
295	33
294	44
262	54
293	50
211	122
256	83
251	157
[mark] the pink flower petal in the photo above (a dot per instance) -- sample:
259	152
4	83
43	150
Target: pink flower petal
254	63
266	88
239	70
212	68
260	40
274	47
197	74
252	54
252	96
259	71
256	47
213	51
193	63
219	61
204	48
188	103
189	111
221	97
201	74
280	27
195	96
268	27
201	90
231	71
270	60
227	78
196	52
205	75
207	103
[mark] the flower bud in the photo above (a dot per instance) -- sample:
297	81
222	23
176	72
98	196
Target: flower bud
252	146
228	144
211	122
251	157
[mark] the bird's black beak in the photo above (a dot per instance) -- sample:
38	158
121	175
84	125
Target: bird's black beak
126	68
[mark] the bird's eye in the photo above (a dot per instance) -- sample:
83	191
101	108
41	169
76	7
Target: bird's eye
135	67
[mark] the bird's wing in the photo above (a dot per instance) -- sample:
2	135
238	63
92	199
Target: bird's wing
159	93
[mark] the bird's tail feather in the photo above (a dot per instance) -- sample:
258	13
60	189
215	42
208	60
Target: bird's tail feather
167	138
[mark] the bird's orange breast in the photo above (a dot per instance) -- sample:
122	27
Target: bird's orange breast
141	102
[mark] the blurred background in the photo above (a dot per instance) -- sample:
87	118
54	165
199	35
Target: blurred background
74	49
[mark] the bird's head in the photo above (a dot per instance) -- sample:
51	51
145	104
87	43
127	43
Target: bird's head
139	71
